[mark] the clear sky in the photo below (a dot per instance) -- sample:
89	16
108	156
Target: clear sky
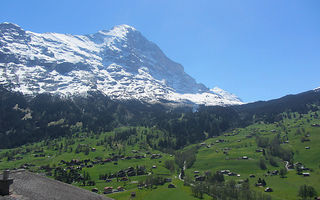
257	49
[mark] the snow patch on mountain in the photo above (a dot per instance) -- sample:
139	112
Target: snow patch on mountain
120	63
226	95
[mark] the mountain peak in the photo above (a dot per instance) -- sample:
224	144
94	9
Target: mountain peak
120	63
120	31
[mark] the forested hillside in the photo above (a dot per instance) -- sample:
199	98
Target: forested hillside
28	119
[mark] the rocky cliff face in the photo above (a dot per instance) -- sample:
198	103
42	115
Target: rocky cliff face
120	62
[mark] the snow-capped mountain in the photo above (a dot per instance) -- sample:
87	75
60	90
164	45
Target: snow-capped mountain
120	62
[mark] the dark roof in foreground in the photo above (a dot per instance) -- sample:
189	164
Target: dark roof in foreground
31	186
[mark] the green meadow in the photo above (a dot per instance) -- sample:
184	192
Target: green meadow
235	150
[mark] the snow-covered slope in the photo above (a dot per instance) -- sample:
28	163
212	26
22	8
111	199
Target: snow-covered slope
120	63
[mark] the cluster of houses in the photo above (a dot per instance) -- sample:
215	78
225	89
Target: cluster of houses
109	189
272	173
156	156
301	169
229	173
225	172
90	163
123	174
233	134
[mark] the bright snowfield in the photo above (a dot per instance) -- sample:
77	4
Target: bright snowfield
120	63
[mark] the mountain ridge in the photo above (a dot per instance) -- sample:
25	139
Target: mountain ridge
121	63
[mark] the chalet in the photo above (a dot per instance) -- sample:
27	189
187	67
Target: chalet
259	185
138	157
121	173
107	160
120	188
232	174
306	174
129	169
124	179
131	173
133	194
75	161
140	171
95	190
155	156
268	189
108	190
252	176
226	171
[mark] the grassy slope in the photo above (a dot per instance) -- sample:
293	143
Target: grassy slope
53	157
211	158
284	188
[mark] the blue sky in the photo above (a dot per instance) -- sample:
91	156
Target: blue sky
259	50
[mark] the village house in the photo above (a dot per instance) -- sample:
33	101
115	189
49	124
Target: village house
268	189
108	190
120	188
306	174
133	194
95	190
